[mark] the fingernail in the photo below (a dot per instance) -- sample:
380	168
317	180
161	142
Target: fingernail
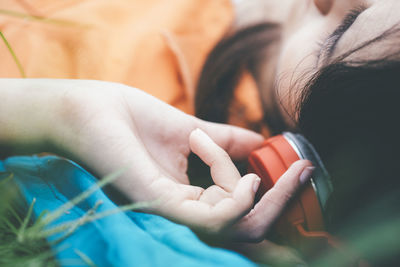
256	184
306	174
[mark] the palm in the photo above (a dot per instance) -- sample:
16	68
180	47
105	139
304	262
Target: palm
171	160
108	126
168	143
132	129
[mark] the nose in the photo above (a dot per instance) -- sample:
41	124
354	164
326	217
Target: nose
324	6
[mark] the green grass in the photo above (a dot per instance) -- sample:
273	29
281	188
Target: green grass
15	248
23	240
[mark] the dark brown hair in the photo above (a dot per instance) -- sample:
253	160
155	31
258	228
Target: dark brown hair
349	111
246	49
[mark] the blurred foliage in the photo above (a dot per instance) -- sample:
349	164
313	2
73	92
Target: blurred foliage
23	239
17	248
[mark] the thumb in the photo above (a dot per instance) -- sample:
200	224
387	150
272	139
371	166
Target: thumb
236	141
255	225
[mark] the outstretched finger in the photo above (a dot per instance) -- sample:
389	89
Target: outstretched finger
223	172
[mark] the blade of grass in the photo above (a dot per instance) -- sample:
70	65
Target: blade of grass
20	68
42	215
20	236
85	258
97	216
77	223
5	180
10	225
67	206
16	216
60	22
133	206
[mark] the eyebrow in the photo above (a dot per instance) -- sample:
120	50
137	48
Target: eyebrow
337	34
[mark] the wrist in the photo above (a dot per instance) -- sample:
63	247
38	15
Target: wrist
26	114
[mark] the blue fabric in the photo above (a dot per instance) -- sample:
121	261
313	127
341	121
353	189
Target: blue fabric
123	239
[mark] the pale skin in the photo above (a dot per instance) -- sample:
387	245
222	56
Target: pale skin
109	126
306	26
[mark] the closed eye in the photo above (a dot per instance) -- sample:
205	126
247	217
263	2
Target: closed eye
327	47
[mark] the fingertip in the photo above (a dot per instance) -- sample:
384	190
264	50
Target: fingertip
256	184
302	170
247	187
192	140
198	139
306	174
297	175
251	177
256	181
194	134
301	164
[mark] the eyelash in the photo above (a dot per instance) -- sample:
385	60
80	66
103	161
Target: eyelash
320	44
328	41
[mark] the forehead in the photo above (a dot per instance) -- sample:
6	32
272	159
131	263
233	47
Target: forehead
378	26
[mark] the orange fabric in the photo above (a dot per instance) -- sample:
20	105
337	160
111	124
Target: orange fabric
158	46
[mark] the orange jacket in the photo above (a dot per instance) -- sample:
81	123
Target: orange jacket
158	46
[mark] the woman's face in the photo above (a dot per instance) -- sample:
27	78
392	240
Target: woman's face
318	31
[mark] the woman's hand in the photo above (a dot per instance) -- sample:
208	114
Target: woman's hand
254	226
108	126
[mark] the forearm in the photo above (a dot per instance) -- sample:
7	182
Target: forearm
25	112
